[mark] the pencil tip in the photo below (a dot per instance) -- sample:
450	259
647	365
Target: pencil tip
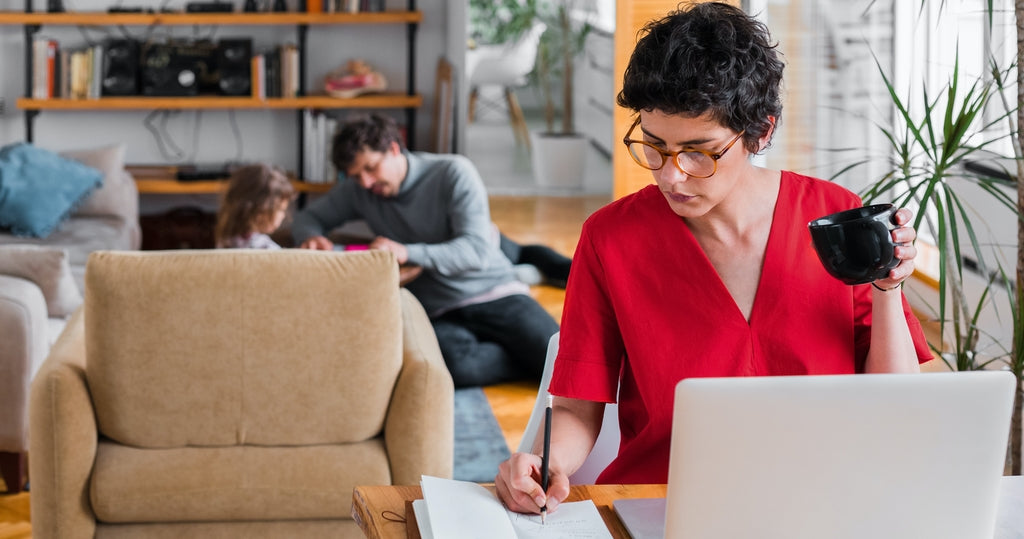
543	514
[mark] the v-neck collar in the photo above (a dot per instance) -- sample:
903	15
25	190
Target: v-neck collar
780	231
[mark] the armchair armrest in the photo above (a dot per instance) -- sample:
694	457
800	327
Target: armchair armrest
23	347
419	432
64	439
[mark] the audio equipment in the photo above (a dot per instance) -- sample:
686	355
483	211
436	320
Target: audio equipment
178	68
233	66
120	67
209	7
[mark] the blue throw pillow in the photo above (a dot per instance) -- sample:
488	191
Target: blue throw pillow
38	188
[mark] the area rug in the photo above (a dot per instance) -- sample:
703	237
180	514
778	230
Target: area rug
479	444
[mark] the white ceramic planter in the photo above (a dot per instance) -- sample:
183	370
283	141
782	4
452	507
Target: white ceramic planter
558	160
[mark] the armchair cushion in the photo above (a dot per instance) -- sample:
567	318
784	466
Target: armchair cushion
48	268
38	188
152	390
197	484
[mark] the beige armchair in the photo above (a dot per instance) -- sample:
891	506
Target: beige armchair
235	393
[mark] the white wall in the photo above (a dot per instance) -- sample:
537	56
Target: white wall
266	135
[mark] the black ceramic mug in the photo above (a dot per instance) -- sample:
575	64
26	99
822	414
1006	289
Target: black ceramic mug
856	246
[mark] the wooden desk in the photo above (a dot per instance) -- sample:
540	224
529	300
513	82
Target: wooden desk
372	507
375	508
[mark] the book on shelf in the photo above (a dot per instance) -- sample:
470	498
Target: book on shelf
289	53
258	75
85	72
44	68
271	65
352	6
64	79
96	77
275	72
318	131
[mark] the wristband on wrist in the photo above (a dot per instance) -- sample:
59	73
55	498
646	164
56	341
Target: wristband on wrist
898	285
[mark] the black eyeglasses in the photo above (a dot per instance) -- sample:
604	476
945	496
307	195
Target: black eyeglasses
694	163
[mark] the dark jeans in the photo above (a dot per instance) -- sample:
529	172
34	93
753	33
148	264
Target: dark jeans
498	341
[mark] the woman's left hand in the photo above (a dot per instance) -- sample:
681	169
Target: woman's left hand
903	235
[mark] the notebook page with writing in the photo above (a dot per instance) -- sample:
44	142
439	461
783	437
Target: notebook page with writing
572	520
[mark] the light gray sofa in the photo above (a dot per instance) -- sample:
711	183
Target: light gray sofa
106	220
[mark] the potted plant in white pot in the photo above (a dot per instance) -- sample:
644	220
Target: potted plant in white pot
928	152
558	151
500	21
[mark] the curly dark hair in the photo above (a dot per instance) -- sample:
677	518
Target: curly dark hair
366	132
707	58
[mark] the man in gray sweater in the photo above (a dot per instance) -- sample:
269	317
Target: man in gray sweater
432	211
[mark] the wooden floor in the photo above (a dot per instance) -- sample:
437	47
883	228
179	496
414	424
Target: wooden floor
556	222
553	221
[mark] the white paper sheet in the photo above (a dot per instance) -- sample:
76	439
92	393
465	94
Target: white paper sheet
419	509
465	510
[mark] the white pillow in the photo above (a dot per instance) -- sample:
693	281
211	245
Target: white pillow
47	267
107	200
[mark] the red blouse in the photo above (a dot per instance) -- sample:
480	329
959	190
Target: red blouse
644	309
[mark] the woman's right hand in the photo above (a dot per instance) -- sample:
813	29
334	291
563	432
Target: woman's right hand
518	484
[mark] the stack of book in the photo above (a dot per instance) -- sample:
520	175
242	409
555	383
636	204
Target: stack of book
318	130
66	73
275	73
344	6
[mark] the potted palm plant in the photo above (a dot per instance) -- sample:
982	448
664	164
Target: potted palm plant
558	151
928	153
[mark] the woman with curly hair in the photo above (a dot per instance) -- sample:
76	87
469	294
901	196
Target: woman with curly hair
708	272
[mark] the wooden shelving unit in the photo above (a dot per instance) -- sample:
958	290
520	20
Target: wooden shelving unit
101	18
409	101
387	100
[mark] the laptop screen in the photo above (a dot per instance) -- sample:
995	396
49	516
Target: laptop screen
880	455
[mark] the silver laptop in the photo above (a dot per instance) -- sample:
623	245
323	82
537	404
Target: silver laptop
858	456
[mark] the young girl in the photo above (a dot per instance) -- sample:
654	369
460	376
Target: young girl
253	206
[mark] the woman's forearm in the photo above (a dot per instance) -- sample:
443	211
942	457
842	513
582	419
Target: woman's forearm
892	348
575	425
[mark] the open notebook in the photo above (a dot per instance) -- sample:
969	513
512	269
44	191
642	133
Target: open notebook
453	509
856	456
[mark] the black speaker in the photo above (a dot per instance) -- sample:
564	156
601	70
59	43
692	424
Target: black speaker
120	67
234	58
178	68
